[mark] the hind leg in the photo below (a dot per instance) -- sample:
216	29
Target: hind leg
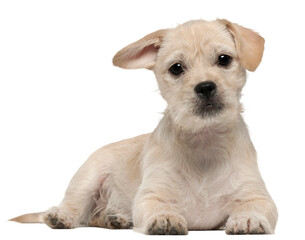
117	220
101	191
75	209
79	201
112	219
115	213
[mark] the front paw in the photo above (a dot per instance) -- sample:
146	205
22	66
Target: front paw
167	224
246	225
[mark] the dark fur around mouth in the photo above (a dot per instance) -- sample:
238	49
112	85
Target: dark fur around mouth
208	107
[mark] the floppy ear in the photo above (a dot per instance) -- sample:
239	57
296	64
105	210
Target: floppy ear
249	45
140	54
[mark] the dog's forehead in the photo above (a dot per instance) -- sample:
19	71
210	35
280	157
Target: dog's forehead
199	35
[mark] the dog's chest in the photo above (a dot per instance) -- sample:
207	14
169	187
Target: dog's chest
204	201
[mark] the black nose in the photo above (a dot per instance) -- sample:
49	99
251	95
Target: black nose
205	89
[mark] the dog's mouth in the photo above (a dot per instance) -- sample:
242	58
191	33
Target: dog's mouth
208	107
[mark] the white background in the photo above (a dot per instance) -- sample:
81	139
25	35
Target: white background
61	99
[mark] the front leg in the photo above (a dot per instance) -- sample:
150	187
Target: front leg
155	209
251	208
255	216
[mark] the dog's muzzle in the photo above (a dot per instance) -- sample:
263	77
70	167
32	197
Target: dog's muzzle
208	101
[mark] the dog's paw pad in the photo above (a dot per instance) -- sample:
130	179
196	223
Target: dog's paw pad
57	219
244	225
56	223
167	225
117	222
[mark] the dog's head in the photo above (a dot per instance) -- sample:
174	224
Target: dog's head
200	67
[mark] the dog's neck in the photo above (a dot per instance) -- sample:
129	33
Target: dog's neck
199	150
204	135
209	135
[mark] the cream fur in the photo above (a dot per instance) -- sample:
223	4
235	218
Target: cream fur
192	172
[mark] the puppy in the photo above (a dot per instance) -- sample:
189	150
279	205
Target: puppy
197	170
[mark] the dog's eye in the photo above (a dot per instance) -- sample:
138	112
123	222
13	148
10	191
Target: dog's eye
176	69
224	60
